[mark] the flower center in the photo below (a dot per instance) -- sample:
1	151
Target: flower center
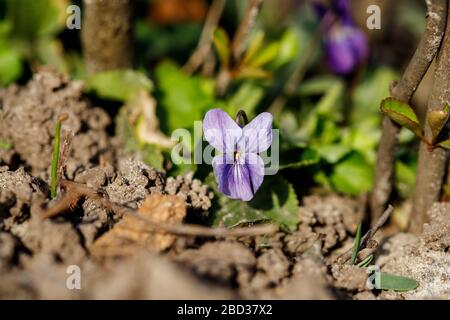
237	155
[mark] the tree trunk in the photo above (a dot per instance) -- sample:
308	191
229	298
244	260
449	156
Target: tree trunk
106	34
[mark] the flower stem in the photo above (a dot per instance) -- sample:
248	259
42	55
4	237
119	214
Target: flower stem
55	158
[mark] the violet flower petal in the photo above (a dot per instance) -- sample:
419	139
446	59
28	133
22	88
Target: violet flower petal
346	47
222	164
255	165
233	179
221	131
257	135
241	179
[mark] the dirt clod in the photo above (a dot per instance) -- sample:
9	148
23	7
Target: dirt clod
219	260
28	116
196	195
350	278
59	239
133	183
17	189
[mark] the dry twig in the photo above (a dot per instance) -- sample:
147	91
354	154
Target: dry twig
75	191
238	44
203	49
246	24
365	240
65	150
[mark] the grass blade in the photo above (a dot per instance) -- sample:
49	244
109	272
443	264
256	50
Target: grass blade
365	263
55	157
356	245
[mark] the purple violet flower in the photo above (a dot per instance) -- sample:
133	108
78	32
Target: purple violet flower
345	44
239	170
346	47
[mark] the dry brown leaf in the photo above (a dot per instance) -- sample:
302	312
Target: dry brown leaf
148	124
133	233
177	11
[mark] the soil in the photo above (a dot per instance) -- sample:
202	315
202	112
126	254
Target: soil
119	257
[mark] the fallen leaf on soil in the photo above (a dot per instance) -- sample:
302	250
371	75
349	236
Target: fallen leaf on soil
147	127
132	233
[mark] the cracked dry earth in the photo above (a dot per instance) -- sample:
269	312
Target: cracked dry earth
120	258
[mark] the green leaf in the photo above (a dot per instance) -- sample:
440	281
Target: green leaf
183	98
296	158
289	46
222	45
118	85
363	139
445	144
397	283
32	19
275	200
246	98
356	245
317	86
149	153
50	51
402	114
248	72
370	92
366	262
331	99
156	41
437	120
333	153
353	175
10	64
264	56
5	145
254	46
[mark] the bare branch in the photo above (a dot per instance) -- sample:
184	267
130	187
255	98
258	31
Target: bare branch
201	231
404	90
204	45
75	191
238	44
432	164
247	23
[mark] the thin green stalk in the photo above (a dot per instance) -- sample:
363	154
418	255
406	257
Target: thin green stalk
5	145
356	245
55	158
365	263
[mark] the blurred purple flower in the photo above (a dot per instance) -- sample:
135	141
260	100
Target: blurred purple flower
239	170
345	44
346	47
